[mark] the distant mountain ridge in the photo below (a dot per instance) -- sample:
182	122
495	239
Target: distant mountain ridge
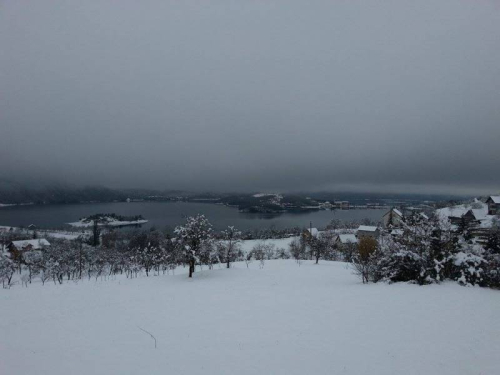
12	192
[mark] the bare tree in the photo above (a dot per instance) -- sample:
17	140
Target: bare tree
298	250
96	231
362	260
7	269
33	261
229	247
259	253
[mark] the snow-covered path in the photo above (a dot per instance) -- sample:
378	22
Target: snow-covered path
282	319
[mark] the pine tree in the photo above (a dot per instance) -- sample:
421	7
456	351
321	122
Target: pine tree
464	229
493	244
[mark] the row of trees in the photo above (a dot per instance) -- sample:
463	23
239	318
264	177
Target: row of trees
322	246
193	244
118	252
430	251
427	251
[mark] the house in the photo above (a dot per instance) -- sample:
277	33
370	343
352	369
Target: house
17	248
367	231
343	205
415	216
32	227
470	217
493	203
397	232
393	218
345	239
310	233
424	216
27	245
326	205
345	242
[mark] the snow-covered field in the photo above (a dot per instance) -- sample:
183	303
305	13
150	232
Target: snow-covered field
108	223
279	243
60	234
282	319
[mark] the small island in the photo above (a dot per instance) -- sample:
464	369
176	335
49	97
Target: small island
109	220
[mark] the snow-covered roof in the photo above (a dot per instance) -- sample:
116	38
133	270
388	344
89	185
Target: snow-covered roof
495	198
394	210
458	211
367	228
489	221
36	244
348	238
314	231
397	232
481	214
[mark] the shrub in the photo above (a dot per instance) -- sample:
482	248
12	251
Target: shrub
364	259
469	269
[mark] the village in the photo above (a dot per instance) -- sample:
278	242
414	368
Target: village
478	219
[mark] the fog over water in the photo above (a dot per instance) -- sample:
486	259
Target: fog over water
217	95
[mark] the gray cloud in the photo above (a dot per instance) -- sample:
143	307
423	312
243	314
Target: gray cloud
252	95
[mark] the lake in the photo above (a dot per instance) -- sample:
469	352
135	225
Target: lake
169	214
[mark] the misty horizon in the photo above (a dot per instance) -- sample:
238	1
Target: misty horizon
364	190
387	97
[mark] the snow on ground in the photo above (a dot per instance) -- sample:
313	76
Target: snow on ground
261	195
61	234
108	223
280	243
479	209
282	319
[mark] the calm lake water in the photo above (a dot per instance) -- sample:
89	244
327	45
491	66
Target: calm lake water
169	214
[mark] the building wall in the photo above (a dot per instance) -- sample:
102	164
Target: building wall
396	220
362	233
493	208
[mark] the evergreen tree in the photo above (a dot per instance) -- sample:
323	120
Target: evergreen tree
493	244
464	228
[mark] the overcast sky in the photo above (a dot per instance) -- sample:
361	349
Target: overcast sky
252	95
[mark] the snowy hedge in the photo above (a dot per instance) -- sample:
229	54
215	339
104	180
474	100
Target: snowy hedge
428	253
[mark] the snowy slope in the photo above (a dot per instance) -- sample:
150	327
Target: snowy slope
280	243
283	319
